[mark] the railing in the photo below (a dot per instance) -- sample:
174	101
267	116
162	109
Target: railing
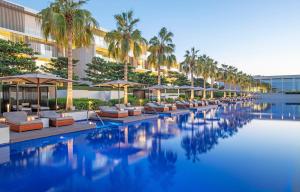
98	117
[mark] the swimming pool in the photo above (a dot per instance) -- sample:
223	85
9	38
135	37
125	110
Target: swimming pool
233	149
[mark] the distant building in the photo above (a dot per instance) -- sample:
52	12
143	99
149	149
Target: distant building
280	83
19	23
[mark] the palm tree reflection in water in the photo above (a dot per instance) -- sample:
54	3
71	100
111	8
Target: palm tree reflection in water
205	137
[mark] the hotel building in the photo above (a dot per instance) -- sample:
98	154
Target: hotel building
280	83
19	23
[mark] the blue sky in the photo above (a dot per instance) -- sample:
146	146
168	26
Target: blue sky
257	36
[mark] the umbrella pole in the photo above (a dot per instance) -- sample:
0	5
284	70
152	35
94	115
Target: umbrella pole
1	100
119	94
38	97
55	97
17	96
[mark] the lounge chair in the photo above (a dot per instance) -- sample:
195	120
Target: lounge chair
132	111
195	104
151	107
21	108
183	105
18	122
56	120
113	112
171	106
42	108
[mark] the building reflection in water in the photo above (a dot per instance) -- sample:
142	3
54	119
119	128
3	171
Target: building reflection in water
276	111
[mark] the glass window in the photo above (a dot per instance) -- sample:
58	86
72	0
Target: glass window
288	85
276	85
297	84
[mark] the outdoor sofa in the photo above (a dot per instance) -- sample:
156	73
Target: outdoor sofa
34	107
132	111
171	106
113	112
56	120
151	107
183	104
18	121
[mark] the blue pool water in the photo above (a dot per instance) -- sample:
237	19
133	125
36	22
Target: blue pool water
237	148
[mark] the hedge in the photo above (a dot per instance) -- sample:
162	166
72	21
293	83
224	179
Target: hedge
84	103
80	104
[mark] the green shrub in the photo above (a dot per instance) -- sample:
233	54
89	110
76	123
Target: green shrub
131	99
218	94
169	100
183	97
80	104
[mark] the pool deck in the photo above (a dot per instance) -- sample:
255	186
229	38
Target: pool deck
47	132
176	112
128	119
204	107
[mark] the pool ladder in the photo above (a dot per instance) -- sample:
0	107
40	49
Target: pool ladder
98	117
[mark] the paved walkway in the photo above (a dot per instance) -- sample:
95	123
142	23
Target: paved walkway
46	132
176	112
128	119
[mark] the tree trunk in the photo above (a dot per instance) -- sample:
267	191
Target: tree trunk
69	104
229	89
235	89
212	85
126	79
159	83
192	83
204	86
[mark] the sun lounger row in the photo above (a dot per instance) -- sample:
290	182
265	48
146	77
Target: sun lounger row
119	111
28	108
18	121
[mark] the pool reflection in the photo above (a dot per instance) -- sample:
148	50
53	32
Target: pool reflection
134	157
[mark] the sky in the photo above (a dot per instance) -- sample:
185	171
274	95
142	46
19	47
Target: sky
260	37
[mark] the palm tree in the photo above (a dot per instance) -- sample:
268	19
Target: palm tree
220	75
226	79
231	72
69	24
213	67
125	40
203	69
189	65
161	53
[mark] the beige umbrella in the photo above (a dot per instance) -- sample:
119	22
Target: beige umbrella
187	87
38	79
118	84
160	87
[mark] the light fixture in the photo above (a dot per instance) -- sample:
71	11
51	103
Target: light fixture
8	107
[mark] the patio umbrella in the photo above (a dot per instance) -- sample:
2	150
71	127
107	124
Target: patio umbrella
177	87
226	90
118	84
187	87
211	89
198	88
38	79
160	87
